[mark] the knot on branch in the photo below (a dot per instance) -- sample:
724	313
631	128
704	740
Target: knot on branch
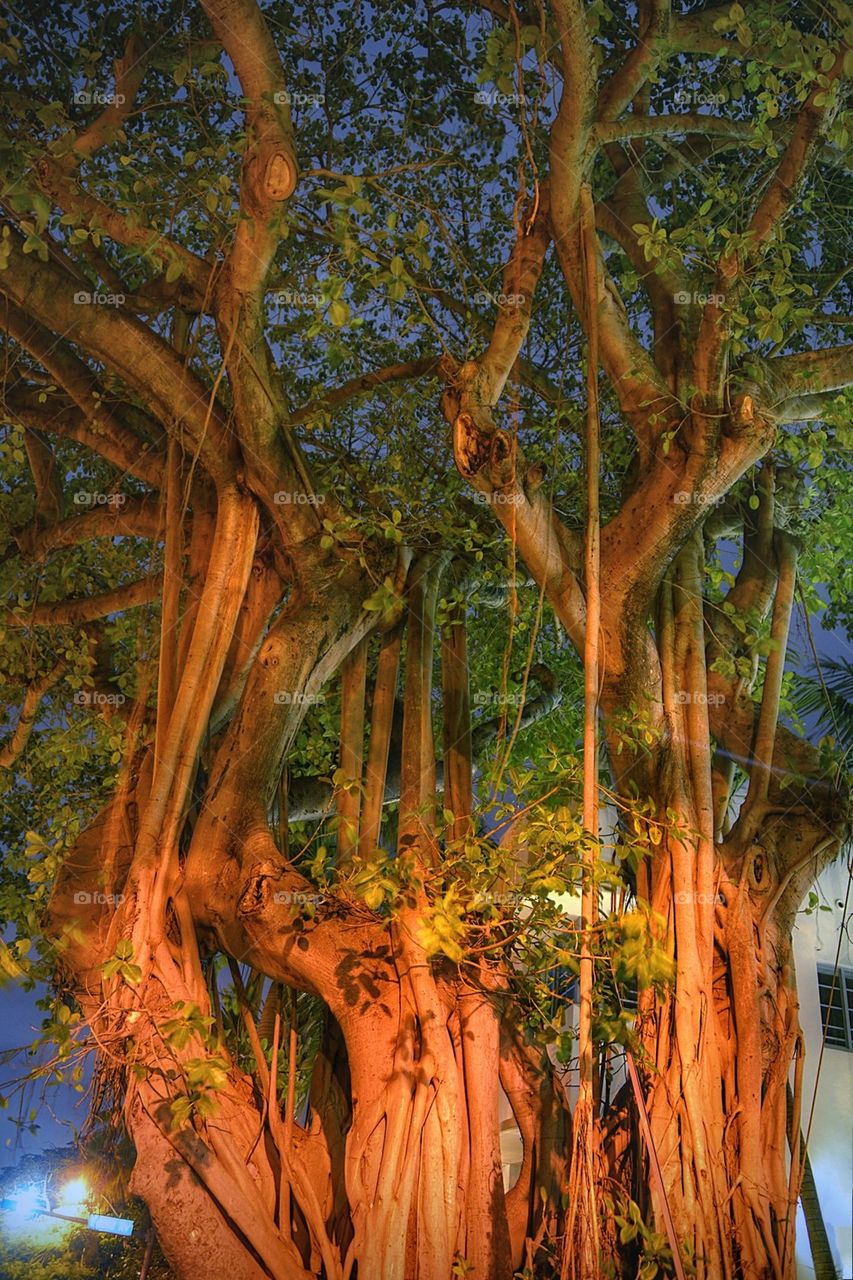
281	175
471	446
270	175
743	412
257	895
751	395
502	459
758	870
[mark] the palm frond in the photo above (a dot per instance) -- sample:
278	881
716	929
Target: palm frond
828	700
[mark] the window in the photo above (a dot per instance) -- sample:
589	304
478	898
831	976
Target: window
836	1017
564	986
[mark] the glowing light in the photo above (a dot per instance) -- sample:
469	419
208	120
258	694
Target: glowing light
22	1213
30	1212
28	1201
73	1198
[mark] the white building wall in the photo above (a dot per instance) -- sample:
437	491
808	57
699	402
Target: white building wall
816	941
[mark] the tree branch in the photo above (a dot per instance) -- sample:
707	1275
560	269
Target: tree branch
694	33
617	217
626	83
570	131
124	228
46	478
71	612
671	125
528	374
640	390
332	399
129	517
128	74
270	171
810	372
139	356
520	278
54	354
127	453
11	749
709	364
806	408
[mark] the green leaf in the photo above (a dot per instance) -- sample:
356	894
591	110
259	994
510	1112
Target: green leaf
339	313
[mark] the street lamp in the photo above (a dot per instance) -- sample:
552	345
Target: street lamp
32	1202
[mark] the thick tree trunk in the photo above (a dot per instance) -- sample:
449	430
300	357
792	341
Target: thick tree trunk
397	1173
188	1223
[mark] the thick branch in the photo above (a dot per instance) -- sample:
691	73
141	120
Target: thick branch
124	228
626	83
626	208
270	170
809	372
120	518
125	450
672	125
520	279
694	33
640	389
806	408
71	612
575	116
490	460
139	356
46	479
69	371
